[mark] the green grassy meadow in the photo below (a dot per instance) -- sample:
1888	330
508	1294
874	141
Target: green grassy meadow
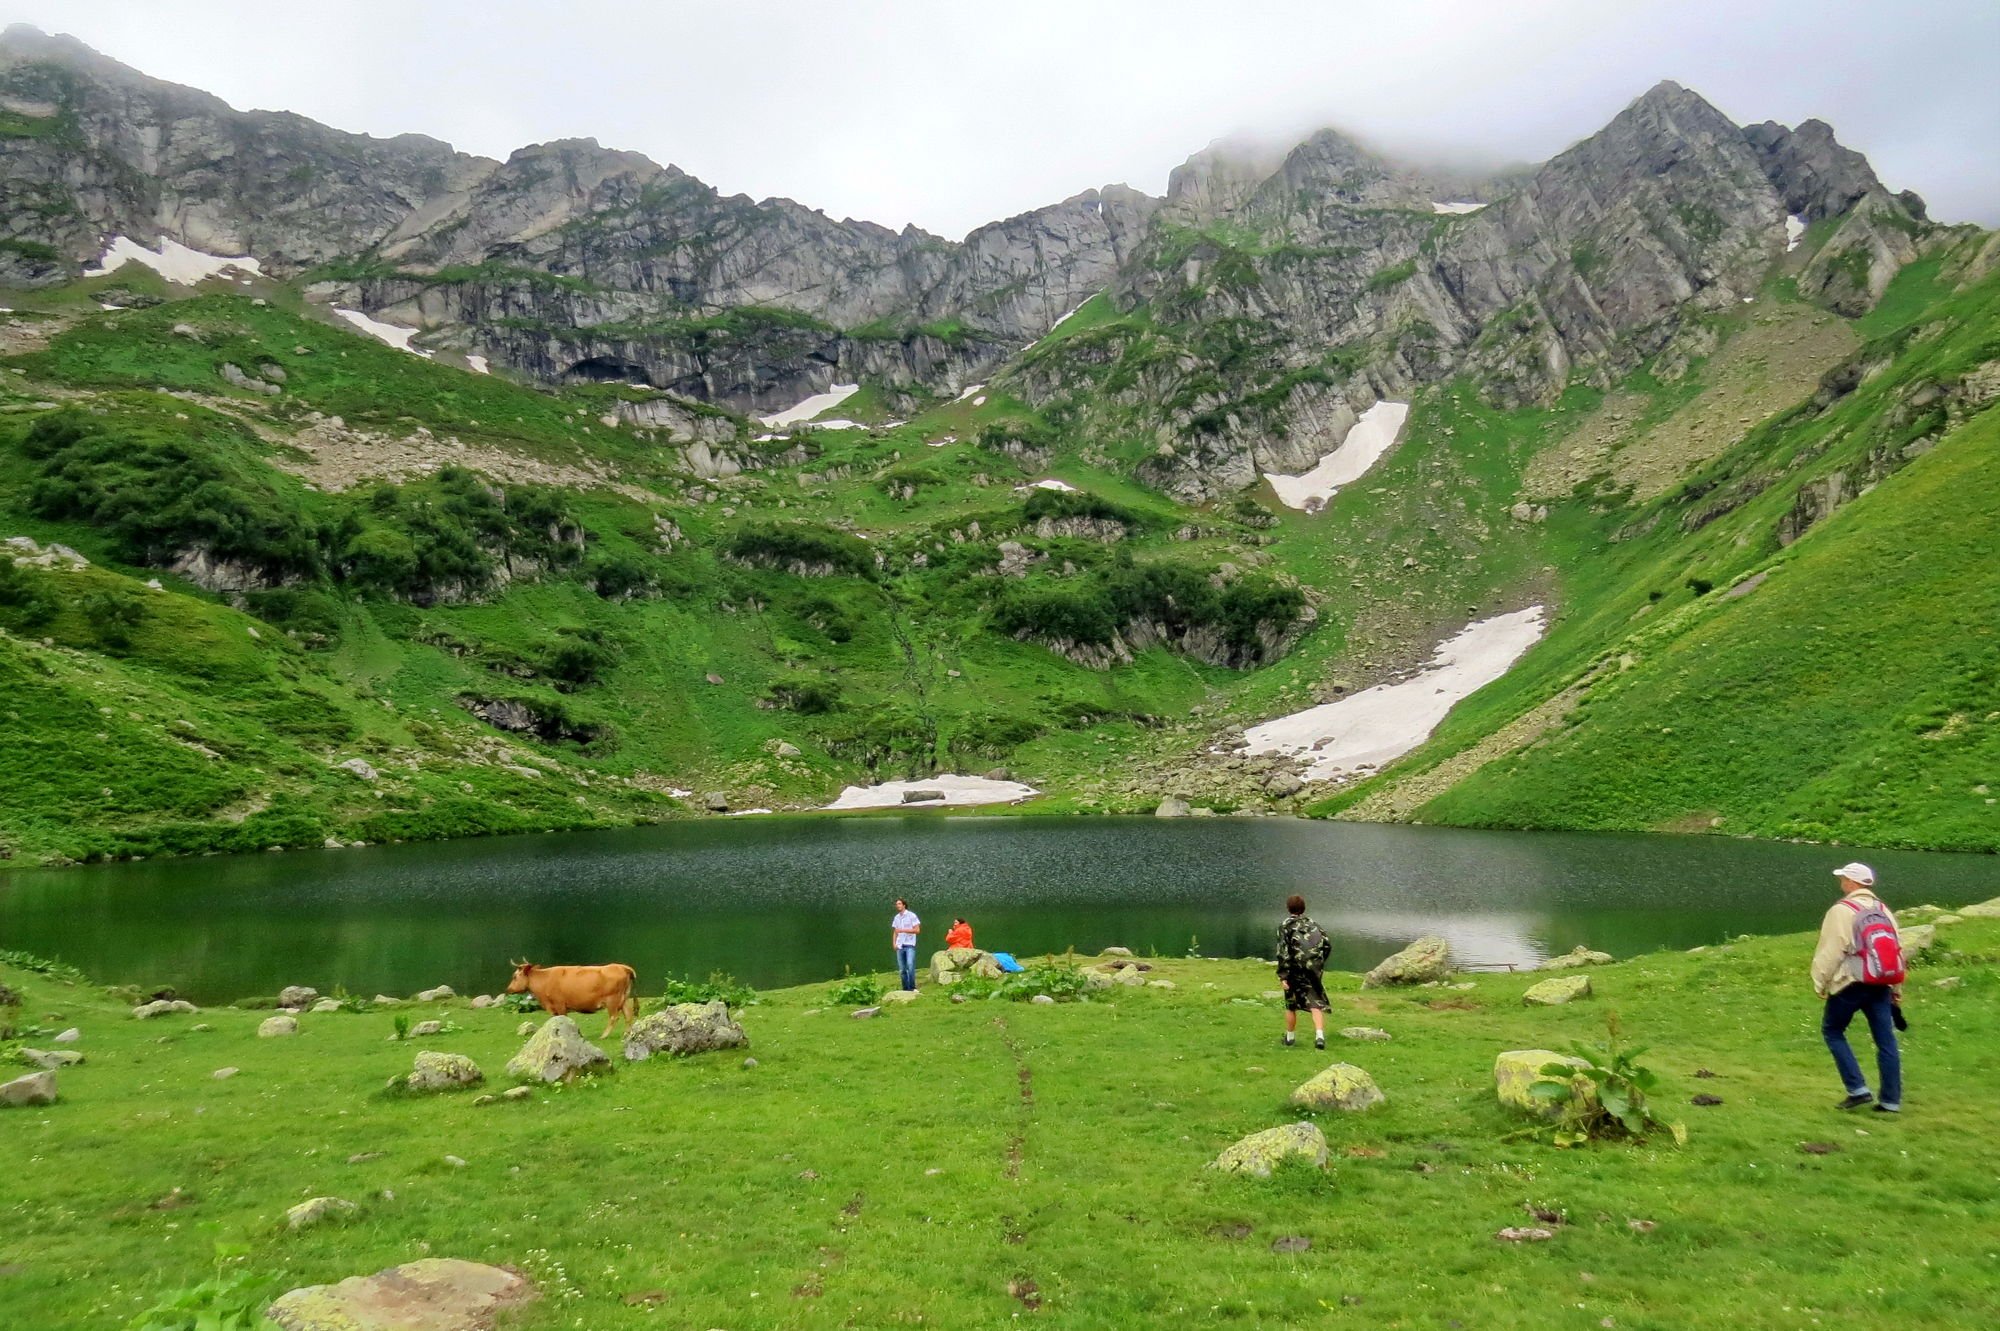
992	1162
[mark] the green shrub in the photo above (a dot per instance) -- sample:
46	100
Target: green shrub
1621	1083
801	547
808	695
854	990
718	987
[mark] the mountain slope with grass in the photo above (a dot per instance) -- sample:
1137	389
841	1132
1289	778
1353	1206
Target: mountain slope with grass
540	494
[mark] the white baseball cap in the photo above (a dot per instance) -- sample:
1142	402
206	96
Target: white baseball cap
1856	872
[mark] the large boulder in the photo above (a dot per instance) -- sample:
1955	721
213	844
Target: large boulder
1517	1070
1918	938
160	1007
1341	1086
556	1052
37	1088
1427	959
297	995
437	995
442	1072
435	1294
272	1027
1985	910
1557	991
954	964
1576	956
1173	806
684	1028
1261	1152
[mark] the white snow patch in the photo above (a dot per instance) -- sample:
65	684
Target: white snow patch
957	791
834	425
478	364
940	443
1379	725
766	438
1072	310
812	406
1457	209
1051	483
970	390
173	261
745	813
395	335
1795	231
1364	446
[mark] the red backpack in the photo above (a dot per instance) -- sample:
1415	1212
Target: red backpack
1876	942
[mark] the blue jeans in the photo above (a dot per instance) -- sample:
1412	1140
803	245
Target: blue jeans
906	964
1873	1002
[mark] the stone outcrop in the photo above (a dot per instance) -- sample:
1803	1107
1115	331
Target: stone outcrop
442	1072
1557	991
161	1007
951	965
1575	957
557	1052
1517	1070
684	1028
1262	1152
1423	962
1343	1087
434	1294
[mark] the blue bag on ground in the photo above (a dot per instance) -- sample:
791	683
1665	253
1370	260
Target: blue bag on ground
1005	961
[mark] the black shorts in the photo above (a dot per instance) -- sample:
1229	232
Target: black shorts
1304	992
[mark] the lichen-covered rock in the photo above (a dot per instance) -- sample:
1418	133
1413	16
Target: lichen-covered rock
1515	1071
901	996
1364	1032
954	964
427	1028
1553	993
556	1052
1261	1152
1427	959
272	1027
1918	938
684	1028
434	1071
51	1059
325	1005
1576	956
1341	1086
297	995
437	995
161	1007
435	1294
37	1088
1984	910
317	1209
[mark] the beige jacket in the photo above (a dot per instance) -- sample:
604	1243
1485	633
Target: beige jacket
1835	964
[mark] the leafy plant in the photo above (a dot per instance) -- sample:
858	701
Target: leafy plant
1617	1106
719	986
853	990
521	1002
402	1023
223	1302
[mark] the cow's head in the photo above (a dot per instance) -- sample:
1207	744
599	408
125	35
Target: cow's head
519	984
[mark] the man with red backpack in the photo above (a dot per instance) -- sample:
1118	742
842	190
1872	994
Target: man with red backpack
1856	968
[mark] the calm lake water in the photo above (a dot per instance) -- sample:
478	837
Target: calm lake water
781	901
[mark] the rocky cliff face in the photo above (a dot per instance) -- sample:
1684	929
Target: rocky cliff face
1268	317
1266	301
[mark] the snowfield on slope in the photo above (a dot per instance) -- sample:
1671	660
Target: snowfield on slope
394	334
1356	735
1455	209
957	791
1363	448
173	261
804	411
1795	231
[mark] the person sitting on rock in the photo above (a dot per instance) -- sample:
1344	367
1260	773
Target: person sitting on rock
1302	951
959	935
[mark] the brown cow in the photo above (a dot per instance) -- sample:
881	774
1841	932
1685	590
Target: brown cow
565	989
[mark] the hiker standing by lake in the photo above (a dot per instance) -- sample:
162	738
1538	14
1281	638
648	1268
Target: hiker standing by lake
1302	951
903	932
1856	968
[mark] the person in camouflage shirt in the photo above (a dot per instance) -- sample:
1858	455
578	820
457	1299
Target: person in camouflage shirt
1302	951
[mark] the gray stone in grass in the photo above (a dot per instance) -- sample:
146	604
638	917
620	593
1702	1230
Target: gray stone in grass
37	1088
70	1036
162	1007
433	1071
1261	1152
272	1028
317	1210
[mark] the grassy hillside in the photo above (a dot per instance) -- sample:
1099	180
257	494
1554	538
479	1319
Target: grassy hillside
986	1163
365	554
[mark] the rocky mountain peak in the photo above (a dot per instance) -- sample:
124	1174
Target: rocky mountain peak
1815	174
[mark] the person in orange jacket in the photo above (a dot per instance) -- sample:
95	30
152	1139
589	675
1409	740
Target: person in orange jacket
959	935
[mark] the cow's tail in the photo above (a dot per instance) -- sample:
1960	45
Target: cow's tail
631	998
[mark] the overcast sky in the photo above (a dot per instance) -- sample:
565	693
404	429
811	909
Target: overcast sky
949	114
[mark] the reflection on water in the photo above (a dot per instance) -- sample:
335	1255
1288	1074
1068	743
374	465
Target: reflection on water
789	900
